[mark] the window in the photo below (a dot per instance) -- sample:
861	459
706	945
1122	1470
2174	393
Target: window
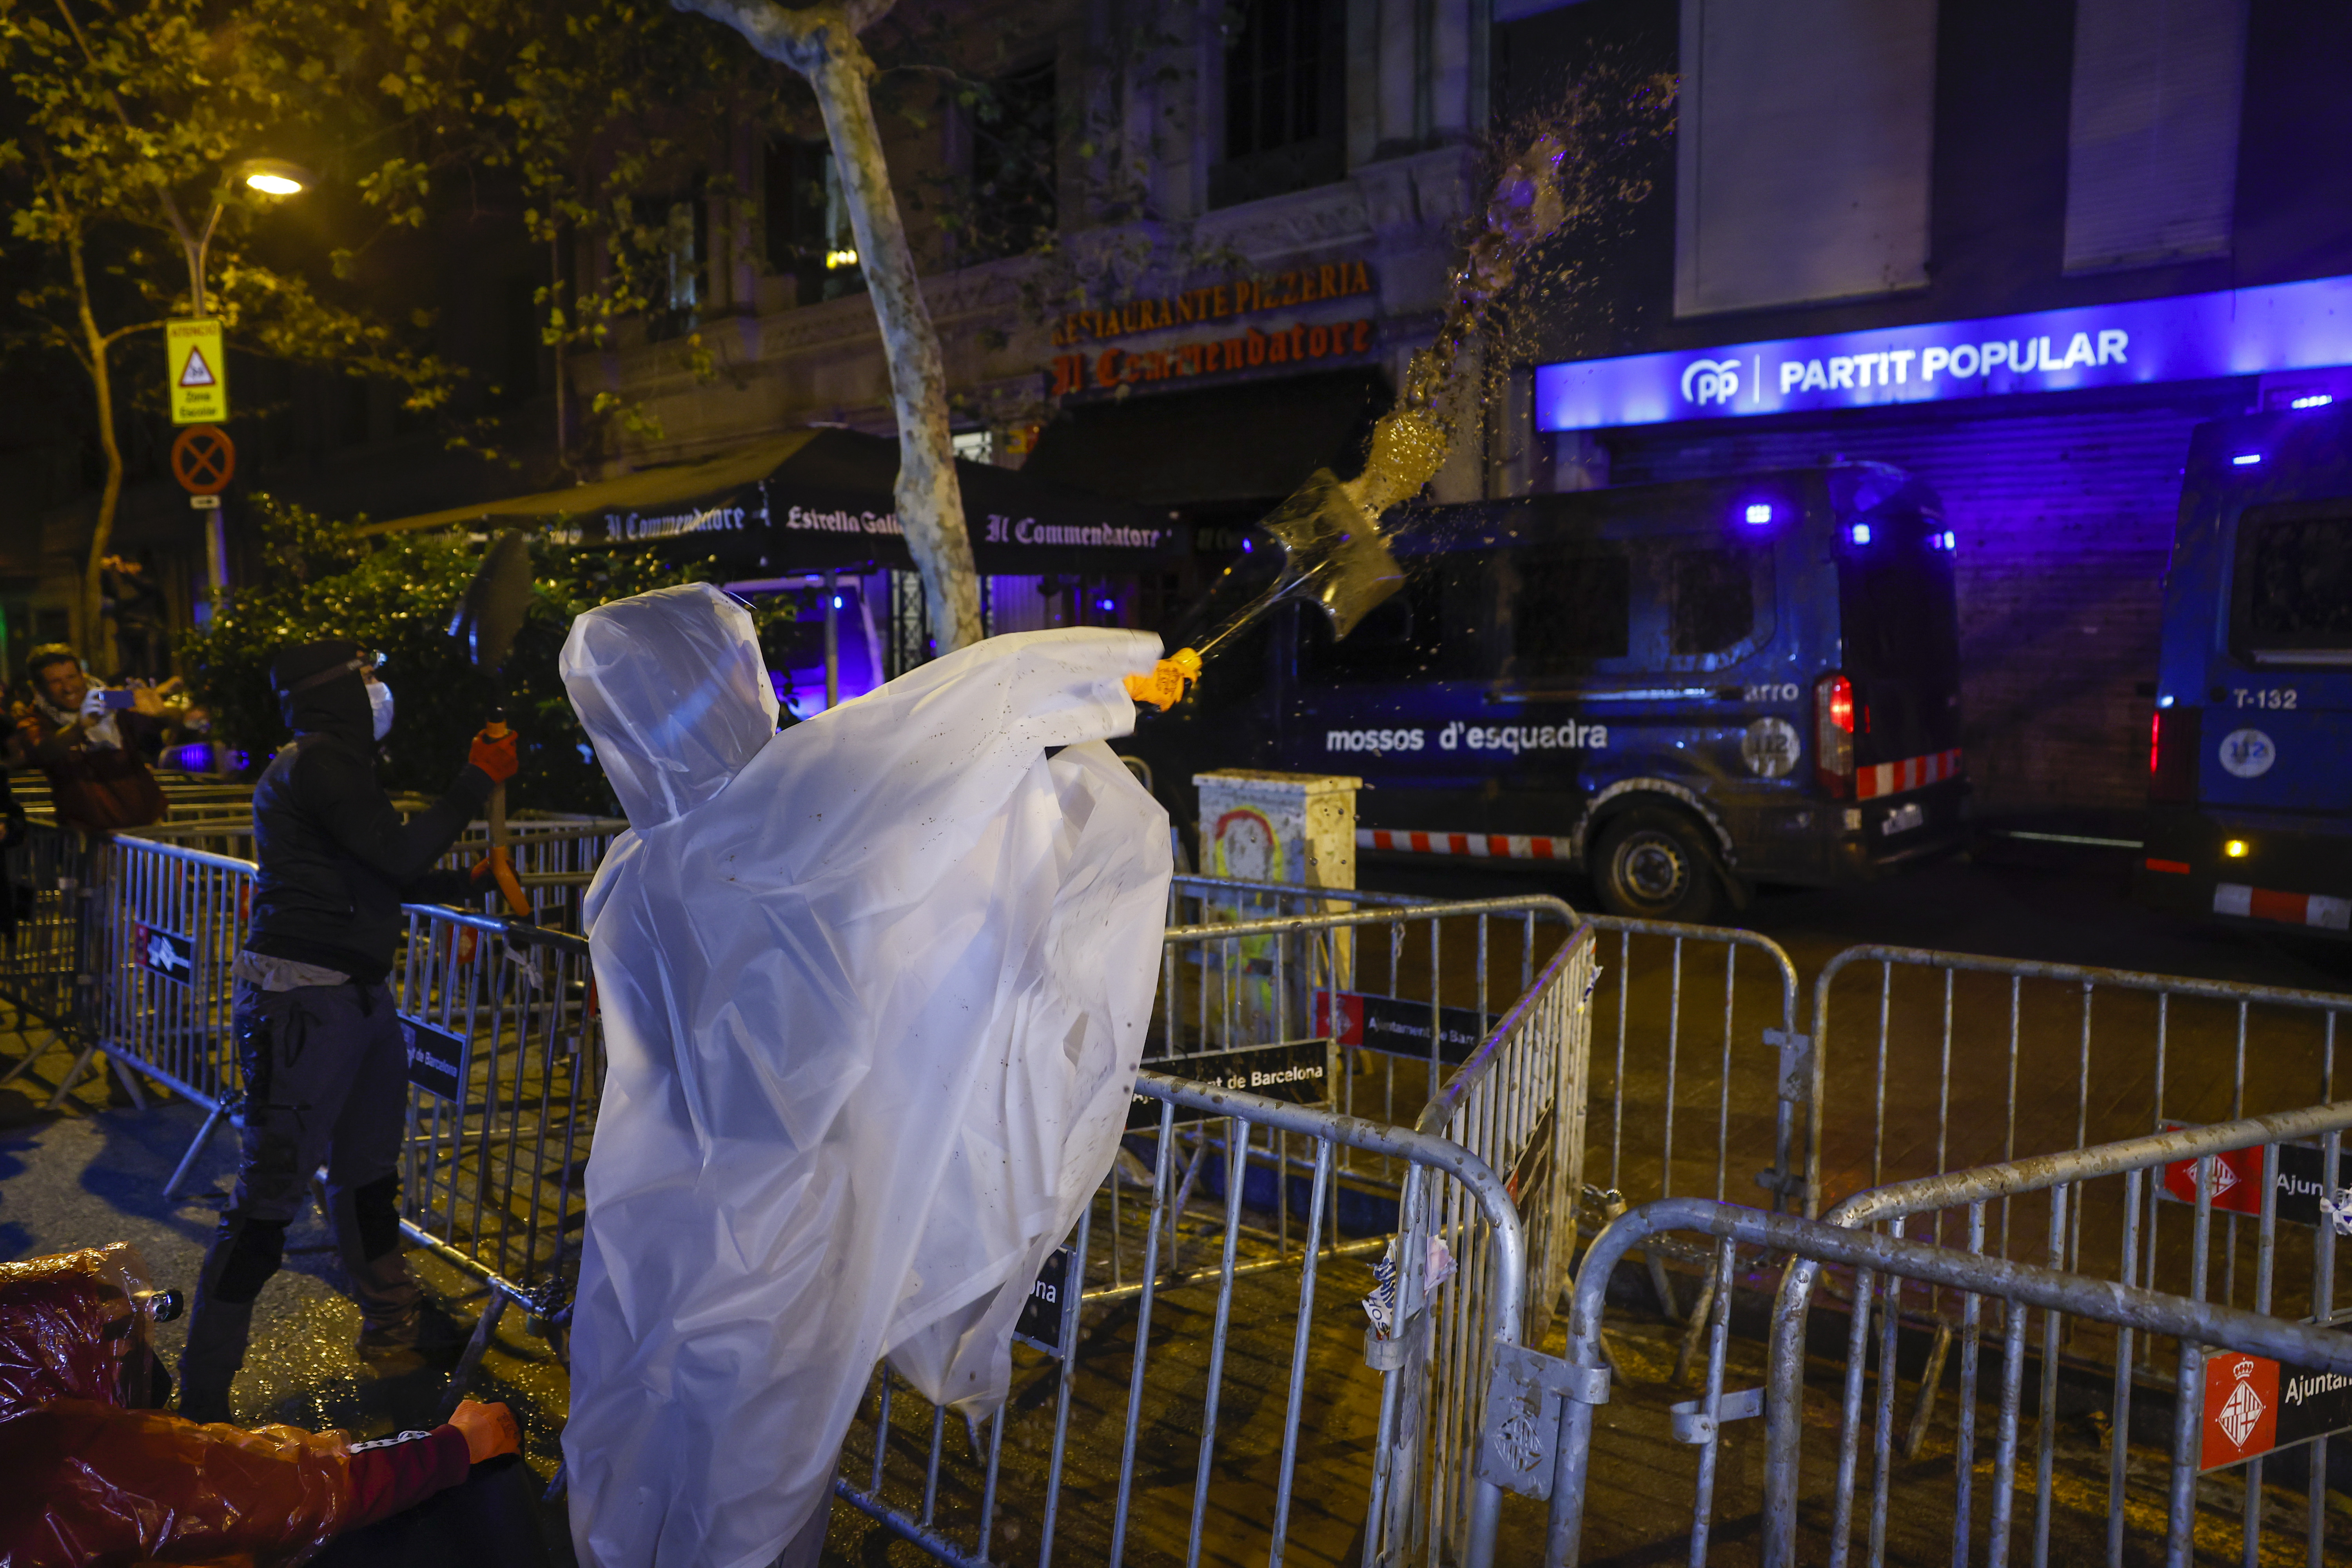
1786	189
2291	599
1712	597
809	237
670	246
2152	141
1284	107
1570	610
797	237
1014	137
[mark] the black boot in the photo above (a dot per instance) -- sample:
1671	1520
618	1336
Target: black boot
428	1335
217	1333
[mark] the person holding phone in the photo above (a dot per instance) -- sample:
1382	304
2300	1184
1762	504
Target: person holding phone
90	740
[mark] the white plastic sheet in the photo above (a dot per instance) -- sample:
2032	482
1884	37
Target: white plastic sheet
874	991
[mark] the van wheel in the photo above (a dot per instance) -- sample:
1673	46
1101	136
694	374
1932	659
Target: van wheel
1651	865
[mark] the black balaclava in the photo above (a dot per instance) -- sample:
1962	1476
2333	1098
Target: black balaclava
331	698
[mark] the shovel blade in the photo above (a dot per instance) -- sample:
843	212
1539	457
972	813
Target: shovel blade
492	611
1335	557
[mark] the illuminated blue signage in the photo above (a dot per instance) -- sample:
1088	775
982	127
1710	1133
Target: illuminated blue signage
2185	337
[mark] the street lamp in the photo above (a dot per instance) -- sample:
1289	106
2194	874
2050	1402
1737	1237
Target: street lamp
271	177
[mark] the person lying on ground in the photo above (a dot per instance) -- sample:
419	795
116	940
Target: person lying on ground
99	1477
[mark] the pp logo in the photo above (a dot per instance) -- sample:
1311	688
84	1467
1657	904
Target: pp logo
1709	381
2248	753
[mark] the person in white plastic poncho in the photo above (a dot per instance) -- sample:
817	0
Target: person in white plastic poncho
873	990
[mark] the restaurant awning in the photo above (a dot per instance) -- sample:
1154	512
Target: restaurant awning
820	499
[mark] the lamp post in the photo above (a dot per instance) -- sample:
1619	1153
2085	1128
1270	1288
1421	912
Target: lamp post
271	177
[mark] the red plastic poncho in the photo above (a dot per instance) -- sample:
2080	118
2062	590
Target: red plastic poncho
92	1480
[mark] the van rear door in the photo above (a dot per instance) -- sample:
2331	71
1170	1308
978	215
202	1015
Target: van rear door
2277	735
1899	634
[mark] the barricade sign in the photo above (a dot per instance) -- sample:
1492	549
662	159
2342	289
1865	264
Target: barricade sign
1040	1323
163	953
1296	1072
2304	1195
2253	1406
1398	1025
438	1059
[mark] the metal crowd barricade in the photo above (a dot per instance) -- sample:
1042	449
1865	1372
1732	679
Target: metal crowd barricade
46	879
506	1062
1261	1205
556	858
1230	1423
2296	1278
2020	1057
1662	989
1519	1106
169	924
1561	1397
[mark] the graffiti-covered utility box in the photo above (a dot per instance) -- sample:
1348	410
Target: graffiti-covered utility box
1262	826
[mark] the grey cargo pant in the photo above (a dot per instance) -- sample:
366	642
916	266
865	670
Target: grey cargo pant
326	1081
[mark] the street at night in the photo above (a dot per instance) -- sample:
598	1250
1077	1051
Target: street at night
1320	781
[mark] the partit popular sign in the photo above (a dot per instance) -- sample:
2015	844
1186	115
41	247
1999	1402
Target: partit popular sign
2188	337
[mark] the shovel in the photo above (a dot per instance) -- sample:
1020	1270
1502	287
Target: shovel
485	622
1333	558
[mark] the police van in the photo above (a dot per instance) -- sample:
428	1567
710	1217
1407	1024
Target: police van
2249	763
1684	689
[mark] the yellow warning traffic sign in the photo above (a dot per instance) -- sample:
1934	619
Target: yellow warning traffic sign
198	372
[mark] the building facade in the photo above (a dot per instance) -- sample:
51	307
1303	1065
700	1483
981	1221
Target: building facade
2020	250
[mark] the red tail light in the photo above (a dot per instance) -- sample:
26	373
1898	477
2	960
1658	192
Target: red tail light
2172	747
1833	733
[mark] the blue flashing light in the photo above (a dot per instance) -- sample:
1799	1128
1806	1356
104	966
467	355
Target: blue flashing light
1106	604
1245	547
1859	533
2245	459
2164	702
2314	400
1945	539
836	600
1758	511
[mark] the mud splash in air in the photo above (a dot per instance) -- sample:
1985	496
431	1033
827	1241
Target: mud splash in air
1334	553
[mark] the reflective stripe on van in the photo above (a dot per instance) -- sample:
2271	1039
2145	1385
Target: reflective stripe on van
1484	846
1911	772
2293	908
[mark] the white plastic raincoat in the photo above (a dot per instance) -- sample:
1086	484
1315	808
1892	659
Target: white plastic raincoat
874	991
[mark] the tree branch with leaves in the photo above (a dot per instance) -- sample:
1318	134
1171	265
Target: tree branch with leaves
821	42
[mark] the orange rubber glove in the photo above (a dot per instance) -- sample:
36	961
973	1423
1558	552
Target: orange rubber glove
495	754
489	1430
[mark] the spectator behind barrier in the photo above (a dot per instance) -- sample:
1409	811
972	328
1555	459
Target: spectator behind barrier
96	1476
91	741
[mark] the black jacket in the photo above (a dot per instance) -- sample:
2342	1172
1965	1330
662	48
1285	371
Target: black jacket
336	860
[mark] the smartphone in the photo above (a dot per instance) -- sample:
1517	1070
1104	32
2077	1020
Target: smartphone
119	702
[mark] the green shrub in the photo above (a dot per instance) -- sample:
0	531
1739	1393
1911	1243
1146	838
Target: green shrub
396	594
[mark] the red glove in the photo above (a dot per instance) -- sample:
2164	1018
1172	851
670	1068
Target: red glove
494	755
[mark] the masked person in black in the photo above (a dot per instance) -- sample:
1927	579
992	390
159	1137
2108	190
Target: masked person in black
326	1073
